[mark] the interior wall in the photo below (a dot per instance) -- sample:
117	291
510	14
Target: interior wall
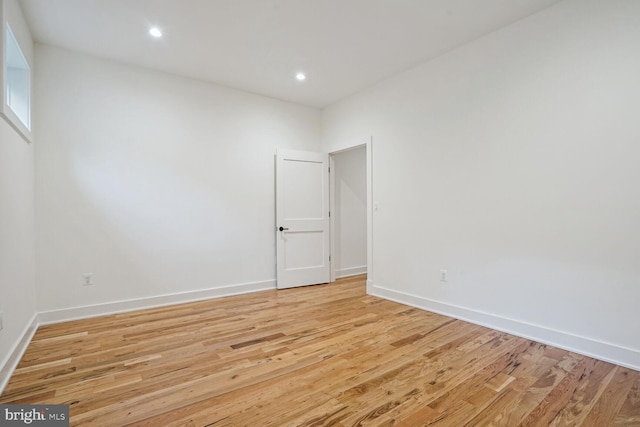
511	163
17	232
155	184
350	185
17	239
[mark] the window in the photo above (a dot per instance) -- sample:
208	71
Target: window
18	84
16	105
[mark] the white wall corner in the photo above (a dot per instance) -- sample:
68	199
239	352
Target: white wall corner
586	346
10	363
370	287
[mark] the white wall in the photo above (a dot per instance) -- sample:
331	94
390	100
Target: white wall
17	232
154	183
350	184
17	241
512	162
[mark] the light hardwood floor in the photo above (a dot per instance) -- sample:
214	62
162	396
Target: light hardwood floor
313	356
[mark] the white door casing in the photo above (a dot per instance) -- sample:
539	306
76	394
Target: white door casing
302	218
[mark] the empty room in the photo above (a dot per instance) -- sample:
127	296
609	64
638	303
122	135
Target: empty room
320	212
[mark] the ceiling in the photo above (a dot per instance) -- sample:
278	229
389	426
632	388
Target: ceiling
259	45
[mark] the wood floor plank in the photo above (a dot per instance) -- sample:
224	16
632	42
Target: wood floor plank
523	397
562	385
312	356
585	396
629	414
611	399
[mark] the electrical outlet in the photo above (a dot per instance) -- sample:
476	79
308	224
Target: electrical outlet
87	279
444	276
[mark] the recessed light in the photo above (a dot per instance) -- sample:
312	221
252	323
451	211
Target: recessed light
301	76
155	32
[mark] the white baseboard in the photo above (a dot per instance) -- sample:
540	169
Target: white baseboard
353	271
85	312
604	351
13	358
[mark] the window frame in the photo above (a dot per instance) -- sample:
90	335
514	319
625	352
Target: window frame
7	113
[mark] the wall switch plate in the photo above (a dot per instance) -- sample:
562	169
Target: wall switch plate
87	279
444	276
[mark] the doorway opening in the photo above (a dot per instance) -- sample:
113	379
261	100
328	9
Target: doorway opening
351	218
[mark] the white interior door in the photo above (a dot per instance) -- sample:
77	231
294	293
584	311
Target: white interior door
302	218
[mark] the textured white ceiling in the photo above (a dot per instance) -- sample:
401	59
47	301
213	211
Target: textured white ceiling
259	45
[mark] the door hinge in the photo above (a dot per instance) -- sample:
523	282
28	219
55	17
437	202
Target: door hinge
329	257
329	214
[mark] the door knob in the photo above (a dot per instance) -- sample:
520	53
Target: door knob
283	228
